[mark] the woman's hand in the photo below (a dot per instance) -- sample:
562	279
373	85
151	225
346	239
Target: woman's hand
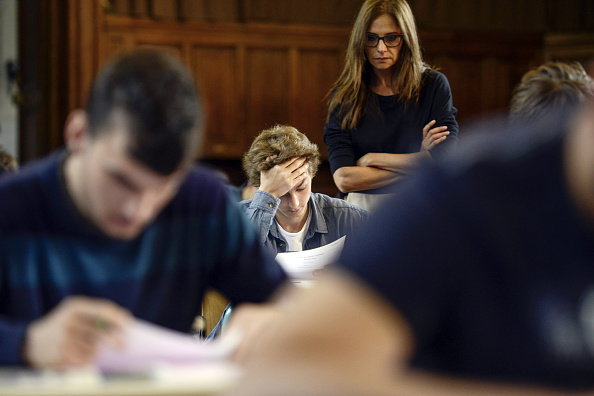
432	137
367	160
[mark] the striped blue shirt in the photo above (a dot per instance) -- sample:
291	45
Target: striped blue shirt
48	251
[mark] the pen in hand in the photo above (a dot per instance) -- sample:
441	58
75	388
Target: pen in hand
199	328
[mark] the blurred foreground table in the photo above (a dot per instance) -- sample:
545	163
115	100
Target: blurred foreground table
164	381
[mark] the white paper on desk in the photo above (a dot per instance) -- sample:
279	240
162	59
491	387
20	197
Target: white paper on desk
147	345
301	265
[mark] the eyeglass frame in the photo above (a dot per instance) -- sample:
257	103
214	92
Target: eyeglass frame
382	39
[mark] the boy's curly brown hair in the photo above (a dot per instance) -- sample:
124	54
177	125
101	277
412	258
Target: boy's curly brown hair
285	142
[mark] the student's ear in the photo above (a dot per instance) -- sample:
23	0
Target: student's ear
76	133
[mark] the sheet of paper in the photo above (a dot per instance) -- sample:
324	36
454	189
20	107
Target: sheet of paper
147	345
301	265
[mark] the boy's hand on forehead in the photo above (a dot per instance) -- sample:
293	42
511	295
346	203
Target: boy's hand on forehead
283	177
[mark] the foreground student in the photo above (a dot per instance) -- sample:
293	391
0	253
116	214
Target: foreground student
120	224
477	280
281	163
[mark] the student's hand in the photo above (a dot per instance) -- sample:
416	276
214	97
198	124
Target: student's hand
283	177
250	322
432	137
69	335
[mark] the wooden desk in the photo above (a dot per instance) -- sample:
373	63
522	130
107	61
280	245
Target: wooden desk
208	380
213	306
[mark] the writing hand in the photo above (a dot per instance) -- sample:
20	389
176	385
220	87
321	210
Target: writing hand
283	177
68	335
433	136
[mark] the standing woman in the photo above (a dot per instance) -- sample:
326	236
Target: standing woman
388	110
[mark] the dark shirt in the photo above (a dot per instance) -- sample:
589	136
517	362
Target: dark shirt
49	251
398	128
490	263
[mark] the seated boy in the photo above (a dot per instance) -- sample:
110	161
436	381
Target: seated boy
281	163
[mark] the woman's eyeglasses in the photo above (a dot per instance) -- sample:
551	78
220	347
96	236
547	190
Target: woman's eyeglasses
390	40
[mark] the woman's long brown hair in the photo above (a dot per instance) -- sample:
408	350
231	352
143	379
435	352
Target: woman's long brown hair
353	87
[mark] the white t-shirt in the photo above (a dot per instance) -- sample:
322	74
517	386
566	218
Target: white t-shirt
295	239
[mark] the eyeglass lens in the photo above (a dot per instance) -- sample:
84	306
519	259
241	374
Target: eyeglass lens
390	40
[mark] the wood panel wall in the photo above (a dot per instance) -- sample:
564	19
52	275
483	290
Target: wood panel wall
311	12
260	62
251	76
482	68
542	16
570	47
256	75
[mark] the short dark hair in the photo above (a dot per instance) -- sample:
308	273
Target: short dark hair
160	102
554	87
285	142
